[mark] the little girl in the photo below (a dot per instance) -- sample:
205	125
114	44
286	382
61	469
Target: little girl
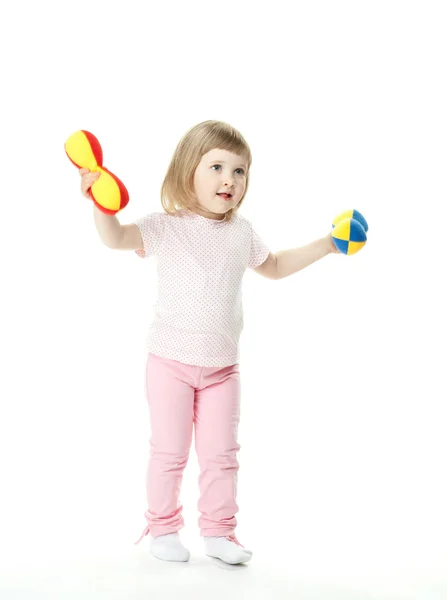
203	247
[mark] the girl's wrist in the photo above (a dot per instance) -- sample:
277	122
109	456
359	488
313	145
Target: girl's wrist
330	244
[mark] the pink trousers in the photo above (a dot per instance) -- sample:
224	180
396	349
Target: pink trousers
180	396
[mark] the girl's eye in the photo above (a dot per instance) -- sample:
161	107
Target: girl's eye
241	171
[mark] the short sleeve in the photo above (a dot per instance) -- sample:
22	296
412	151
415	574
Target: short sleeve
151	229
258	251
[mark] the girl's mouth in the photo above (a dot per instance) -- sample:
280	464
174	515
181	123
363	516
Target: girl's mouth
225	196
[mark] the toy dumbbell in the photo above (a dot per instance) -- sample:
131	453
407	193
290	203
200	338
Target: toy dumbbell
349	231
107	192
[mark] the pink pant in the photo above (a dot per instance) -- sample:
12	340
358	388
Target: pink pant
179	396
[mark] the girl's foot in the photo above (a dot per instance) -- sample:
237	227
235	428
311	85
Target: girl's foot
226	550
169	547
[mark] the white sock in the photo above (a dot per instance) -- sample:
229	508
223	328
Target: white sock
169	547
229	552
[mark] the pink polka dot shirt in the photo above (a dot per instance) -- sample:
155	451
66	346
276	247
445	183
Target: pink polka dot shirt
200	266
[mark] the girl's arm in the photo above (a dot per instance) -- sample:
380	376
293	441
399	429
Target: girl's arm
286	262
114	235
295	259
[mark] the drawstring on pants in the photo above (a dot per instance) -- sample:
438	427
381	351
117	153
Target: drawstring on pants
145	532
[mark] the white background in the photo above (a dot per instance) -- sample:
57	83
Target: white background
342	485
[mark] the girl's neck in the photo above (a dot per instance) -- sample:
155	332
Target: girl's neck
208	214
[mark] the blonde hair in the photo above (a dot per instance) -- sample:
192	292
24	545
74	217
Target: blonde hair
177	190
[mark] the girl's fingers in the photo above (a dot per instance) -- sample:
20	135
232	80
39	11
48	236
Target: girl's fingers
88	179
93	174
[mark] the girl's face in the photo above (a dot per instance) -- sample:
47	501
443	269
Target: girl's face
219	172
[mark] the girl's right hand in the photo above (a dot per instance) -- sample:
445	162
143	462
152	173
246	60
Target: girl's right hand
88	179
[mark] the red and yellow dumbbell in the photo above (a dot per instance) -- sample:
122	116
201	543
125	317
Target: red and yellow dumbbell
107	192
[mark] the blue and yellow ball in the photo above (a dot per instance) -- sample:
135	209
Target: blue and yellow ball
349	231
